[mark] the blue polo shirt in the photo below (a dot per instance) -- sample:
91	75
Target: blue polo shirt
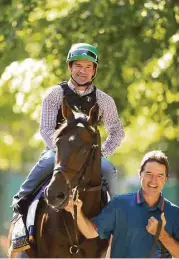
126	217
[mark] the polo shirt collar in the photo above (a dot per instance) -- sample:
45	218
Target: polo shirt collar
140	200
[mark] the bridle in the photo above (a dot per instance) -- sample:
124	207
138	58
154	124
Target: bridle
74	247
63	168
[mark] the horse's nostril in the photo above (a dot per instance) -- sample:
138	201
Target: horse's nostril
61	195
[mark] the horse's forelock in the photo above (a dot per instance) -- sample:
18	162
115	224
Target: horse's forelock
79	118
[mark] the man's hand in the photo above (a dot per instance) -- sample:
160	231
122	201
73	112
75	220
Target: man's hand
153	223
71	204
85	226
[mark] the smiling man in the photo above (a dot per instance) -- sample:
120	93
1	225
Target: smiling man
81	95
153	176
133	218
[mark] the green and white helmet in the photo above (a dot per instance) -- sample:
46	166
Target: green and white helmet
83	51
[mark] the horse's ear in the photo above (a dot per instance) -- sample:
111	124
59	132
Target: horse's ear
93	115
66	110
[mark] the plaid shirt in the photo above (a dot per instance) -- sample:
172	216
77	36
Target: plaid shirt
107	112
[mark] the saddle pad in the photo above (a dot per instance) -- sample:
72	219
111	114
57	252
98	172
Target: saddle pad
23	235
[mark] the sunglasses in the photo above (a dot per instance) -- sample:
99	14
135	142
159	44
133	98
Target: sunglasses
84	52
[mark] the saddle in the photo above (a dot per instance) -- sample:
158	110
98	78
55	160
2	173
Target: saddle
23	225
22	205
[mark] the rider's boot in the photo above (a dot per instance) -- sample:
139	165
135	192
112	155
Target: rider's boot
21	205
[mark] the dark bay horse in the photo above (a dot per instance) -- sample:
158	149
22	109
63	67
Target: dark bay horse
77	172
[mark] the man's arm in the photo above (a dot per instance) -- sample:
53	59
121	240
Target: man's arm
112	123
86	227
170	243
50	106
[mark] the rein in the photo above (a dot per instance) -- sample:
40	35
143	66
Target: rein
163	250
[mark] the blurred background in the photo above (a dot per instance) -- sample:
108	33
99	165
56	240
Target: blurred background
138	43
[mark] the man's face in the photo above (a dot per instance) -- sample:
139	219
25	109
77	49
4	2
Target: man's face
82	71
153	179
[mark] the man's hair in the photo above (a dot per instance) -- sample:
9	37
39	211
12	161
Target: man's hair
71	63
155	156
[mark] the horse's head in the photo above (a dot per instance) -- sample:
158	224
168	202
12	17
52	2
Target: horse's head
77	142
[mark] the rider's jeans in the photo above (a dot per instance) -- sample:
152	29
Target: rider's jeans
44	168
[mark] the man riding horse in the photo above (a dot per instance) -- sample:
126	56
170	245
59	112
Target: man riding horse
81	95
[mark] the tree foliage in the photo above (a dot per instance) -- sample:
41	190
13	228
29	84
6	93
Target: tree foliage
139	65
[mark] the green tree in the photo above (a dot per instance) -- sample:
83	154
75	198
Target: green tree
138	46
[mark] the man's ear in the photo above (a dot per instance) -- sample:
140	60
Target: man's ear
93	115
66	110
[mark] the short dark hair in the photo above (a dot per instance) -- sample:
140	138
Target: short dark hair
71	63
155	156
